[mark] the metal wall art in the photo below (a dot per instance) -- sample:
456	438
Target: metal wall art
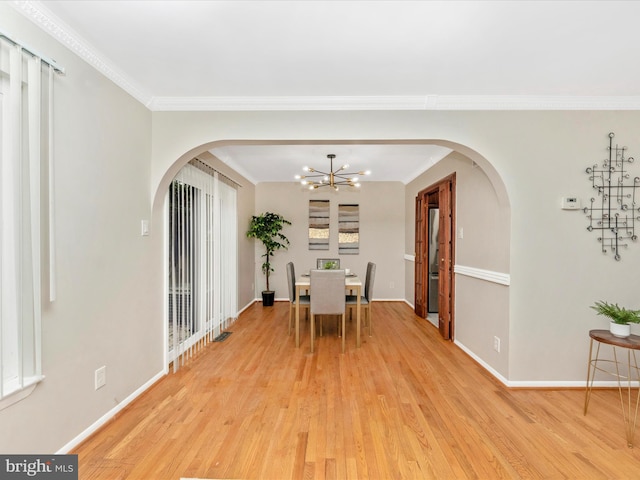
615	211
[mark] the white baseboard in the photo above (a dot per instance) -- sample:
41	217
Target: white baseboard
540	383
110	414
484	364
247	306
375	300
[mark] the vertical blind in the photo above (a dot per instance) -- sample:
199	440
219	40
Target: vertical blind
26	93
202	283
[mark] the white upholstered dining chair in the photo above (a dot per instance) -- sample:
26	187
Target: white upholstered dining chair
327	298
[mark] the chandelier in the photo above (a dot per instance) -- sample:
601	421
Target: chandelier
332	179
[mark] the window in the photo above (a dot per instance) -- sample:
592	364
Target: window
202	259
23	126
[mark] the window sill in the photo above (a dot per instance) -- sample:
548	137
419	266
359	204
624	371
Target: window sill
19	393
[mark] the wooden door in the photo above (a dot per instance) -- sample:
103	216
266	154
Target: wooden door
443	195
445	267
420	299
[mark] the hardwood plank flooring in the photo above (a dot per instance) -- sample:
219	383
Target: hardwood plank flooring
406	405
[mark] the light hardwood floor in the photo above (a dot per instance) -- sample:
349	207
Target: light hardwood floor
406	405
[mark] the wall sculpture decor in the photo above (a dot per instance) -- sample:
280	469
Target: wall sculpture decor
318	224
348	229
614	212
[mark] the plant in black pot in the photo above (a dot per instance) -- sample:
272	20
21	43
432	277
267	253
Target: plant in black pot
267	228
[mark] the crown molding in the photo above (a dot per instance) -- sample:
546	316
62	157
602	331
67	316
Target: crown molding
47	21
63	33
289	103
426	102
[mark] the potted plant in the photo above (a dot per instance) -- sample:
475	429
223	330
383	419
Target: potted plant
621	318
266	228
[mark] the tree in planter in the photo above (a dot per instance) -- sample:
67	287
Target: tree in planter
266	228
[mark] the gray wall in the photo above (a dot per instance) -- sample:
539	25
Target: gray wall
481	307
114	160
531	159
106	311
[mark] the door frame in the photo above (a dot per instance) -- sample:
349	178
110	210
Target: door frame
447	277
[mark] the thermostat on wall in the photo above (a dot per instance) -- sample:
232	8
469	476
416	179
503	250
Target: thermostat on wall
570	203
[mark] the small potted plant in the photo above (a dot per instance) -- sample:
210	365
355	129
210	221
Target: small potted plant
266	228
621	318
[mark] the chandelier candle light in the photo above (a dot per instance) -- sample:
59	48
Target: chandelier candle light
332	178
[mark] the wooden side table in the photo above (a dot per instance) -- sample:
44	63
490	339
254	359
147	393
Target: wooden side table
630	344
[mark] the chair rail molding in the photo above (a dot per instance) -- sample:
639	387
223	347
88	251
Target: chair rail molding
482	274
488	275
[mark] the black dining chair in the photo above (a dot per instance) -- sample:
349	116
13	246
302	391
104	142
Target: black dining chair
304	299
327	298
367	298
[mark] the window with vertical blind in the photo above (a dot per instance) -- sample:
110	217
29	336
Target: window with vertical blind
26	92
202	259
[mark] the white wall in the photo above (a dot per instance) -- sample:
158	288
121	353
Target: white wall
381	233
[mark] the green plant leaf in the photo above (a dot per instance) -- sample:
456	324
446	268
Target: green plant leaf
616	313
267	228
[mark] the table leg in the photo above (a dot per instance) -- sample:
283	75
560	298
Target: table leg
629	411
637	379
297	317
313	330
629	422
590	377
359	293
344	333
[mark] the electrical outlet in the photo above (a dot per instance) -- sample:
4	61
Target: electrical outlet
496	344
101	377
392	285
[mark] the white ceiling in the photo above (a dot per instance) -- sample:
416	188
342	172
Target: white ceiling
295	55
280	163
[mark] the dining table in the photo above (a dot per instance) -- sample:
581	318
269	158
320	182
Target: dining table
352	283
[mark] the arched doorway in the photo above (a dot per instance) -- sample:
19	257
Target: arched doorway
469	266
